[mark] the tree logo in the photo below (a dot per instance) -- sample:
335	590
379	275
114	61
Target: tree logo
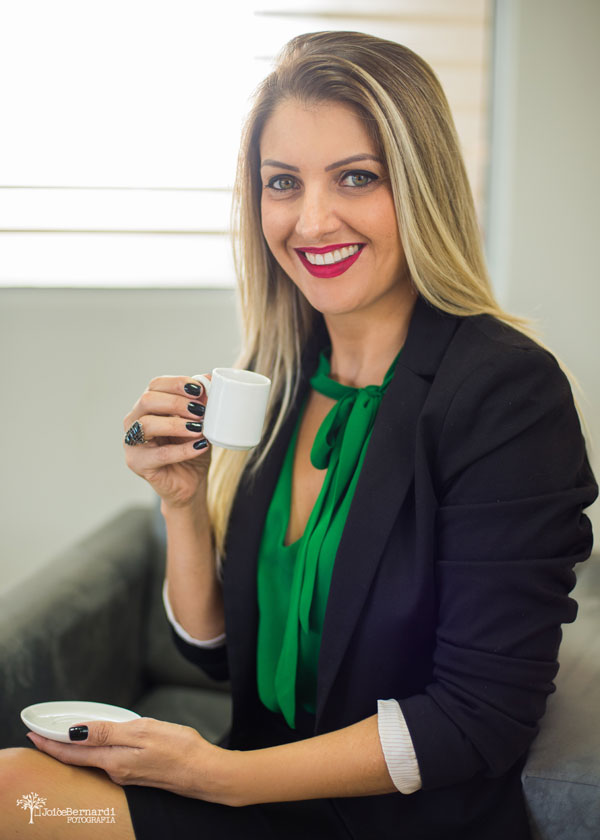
31	801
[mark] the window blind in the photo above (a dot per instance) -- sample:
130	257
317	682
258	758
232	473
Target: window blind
121	123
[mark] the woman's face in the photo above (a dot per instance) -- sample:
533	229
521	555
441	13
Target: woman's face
327	209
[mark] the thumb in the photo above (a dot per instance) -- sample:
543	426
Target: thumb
97	733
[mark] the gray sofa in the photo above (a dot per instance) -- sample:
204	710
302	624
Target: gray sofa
91	626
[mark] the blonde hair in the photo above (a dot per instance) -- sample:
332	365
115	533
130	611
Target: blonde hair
406	113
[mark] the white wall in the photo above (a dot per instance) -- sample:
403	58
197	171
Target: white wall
73	362
545	187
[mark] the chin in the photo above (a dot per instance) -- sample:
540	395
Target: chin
331	300
333	309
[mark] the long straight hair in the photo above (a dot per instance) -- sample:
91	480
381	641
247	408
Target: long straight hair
407	116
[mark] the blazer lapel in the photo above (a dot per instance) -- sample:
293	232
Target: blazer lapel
386	476
240	568
243	543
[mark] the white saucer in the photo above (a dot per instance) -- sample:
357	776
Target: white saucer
52	720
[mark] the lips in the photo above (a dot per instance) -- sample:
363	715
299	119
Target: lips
331	260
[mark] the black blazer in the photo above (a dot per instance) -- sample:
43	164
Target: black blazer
451	580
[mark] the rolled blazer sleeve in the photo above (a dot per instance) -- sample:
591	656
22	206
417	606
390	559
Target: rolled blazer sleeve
212	660
513	479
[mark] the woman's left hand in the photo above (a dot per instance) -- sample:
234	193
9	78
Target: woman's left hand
147	752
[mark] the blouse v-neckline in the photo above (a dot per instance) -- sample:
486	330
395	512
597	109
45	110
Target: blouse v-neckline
294	579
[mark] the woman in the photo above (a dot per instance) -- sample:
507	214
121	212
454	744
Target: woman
384	579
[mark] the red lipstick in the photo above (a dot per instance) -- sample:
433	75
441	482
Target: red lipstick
332	270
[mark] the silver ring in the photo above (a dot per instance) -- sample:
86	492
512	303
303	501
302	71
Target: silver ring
135	434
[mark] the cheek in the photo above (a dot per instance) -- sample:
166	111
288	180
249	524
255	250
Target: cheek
385	228
272	227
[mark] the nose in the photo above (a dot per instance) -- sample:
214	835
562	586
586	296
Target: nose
317	215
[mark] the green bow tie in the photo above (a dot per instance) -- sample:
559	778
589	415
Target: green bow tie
339	447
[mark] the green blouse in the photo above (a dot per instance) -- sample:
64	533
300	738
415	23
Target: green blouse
294	580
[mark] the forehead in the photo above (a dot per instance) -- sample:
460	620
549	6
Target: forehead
300	133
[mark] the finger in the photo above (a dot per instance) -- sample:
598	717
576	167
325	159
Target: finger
170	427
153	457
71	753
106	733
178	385
165	405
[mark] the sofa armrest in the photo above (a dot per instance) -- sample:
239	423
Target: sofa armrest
75	630
166	660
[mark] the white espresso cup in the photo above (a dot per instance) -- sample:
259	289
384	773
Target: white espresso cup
235	408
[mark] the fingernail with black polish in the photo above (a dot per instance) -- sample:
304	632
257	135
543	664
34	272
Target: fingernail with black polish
196	408
192	389
201	444
194	427
78	733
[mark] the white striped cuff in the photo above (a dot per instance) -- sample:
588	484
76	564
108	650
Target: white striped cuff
218	641
397	747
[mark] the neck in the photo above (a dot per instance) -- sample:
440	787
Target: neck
364	346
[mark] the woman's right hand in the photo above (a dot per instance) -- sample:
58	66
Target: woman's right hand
176	456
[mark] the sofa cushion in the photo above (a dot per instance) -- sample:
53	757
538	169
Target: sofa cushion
206	710
561	778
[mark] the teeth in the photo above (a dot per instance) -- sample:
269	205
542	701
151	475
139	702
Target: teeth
331	257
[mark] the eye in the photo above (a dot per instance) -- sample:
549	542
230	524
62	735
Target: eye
281	183
358	178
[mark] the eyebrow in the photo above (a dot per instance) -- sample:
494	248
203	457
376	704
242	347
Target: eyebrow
353	159
279	165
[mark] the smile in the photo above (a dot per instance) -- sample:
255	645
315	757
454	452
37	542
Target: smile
330	261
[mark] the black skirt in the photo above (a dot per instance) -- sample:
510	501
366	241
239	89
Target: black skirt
157	814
